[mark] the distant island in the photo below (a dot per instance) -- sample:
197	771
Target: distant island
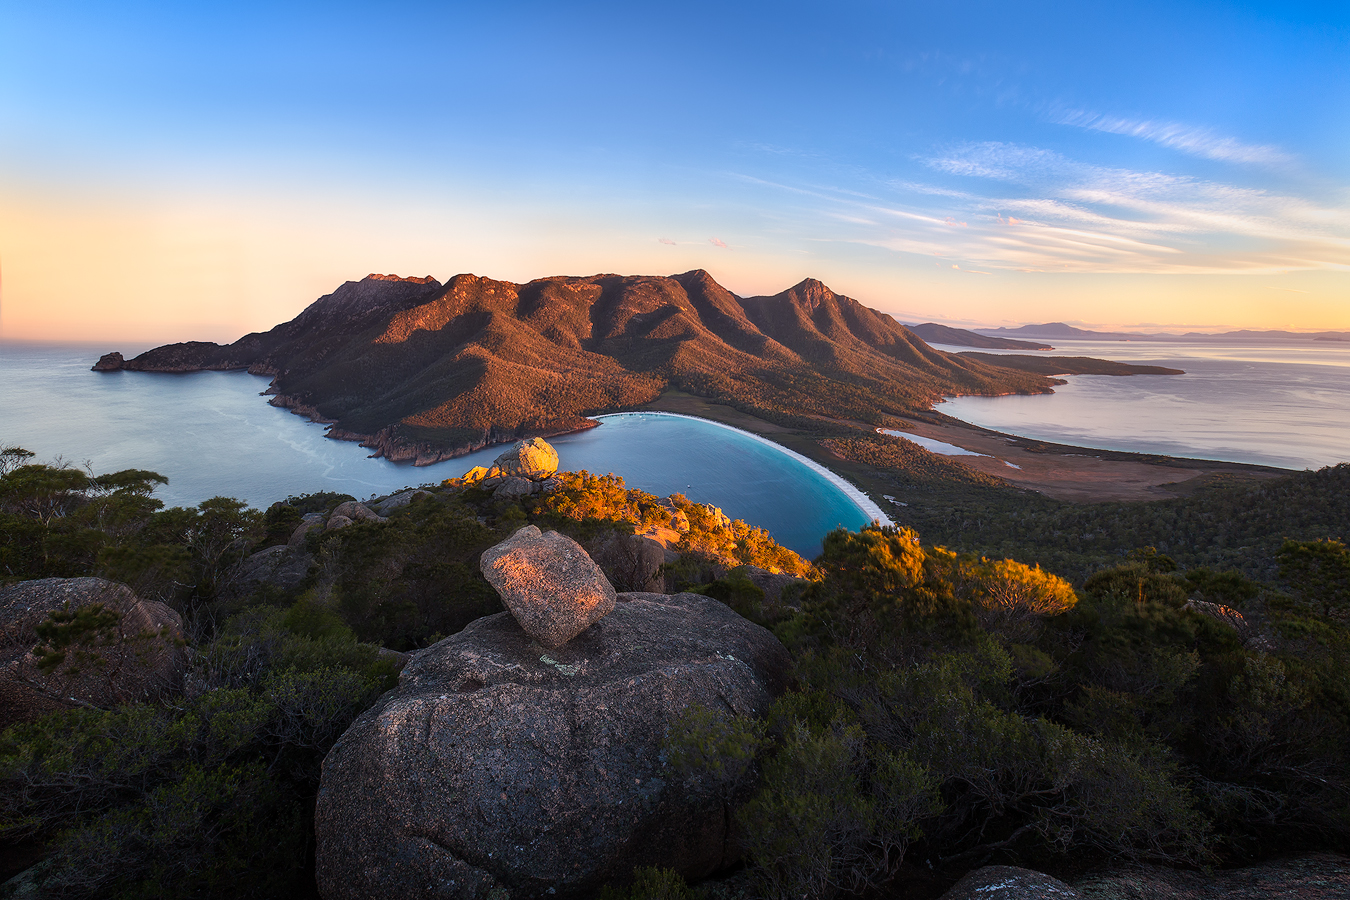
934	333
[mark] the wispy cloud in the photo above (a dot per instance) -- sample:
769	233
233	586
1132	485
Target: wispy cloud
1202	142
1014	207
666	241
718	242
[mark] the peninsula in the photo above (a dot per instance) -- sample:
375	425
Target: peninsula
421	371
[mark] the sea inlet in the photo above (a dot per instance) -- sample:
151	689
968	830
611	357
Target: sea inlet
212	435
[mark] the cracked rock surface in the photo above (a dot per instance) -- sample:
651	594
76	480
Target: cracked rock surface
500	763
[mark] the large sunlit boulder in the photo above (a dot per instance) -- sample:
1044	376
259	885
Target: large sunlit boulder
495	766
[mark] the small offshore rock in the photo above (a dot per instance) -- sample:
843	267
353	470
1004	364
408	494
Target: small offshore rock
534	459
109	362
549	583
1009	883
514	487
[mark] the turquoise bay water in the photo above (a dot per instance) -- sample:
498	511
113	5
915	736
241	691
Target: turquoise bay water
1281	404
212	434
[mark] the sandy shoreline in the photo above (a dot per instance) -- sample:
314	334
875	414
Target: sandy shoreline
1060	471
859	498
1079	474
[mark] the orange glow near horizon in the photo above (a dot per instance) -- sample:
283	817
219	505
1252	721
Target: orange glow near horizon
203	269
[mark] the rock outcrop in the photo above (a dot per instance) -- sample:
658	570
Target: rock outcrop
527	468
1009	883
493	765
284	566
1316	876
357	512
549	583
773	584
109	362
534	459
307	524
122	648
400	500
631	562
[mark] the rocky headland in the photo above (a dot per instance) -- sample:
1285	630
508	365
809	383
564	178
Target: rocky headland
419	371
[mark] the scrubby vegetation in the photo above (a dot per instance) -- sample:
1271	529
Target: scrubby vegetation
953	705
1230	523
210	793
952	711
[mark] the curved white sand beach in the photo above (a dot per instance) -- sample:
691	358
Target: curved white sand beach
860	500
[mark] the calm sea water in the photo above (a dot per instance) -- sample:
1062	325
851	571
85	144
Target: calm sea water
212	434
1279	403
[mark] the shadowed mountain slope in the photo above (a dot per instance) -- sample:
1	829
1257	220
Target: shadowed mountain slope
420	370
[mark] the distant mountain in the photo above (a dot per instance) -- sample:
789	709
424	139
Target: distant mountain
934	333
424	371
1058	330
1068	332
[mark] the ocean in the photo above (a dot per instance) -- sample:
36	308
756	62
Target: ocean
212	435
1284	404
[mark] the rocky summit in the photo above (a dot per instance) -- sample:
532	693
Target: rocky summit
495	766
549	583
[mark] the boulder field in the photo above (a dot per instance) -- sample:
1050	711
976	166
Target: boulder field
499	763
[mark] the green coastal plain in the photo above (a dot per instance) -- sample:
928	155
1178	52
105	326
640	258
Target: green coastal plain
1110	660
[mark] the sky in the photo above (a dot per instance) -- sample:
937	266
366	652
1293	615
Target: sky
176	171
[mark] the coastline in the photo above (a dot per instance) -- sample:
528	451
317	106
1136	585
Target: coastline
859	497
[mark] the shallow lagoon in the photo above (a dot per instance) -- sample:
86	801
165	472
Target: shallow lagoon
212	434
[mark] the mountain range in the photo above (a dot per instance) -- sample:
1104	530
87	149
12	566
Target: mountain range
419	370
1053	330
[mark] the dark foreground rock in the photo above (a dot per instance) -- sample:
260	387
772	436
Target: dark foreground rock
631	562
498	764
284	566
130	649
1009	883
1318	876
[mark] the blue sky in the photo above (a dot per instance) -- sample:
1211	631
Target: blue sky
171	171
